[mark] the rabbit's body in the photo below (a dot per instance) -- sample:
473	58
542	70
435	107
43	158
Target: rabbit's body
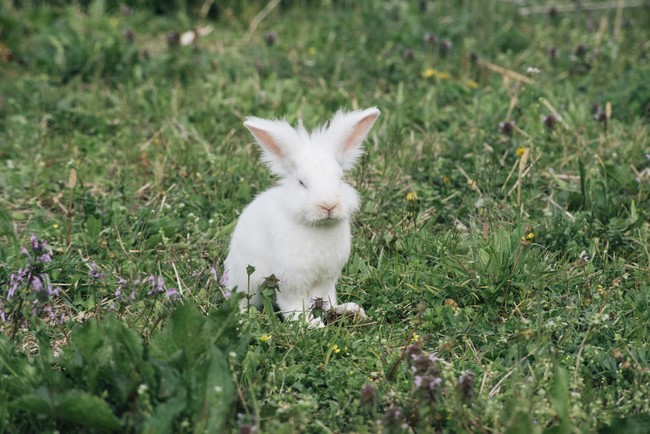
307	269
299	231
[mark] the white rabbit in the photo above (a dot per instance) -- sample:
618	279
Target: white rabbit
299	230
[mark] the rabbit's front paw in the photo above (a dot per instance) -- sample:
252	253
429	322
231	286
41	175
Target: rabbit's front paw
351	309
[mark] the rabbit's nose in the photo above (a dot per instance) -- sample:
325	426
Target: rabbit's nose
329	207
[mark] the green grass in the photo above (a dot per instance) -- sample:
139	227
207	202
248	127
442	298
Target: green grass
130	159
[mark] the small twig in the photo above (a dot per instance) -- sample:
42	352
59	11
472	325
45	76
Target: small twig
153	327
523	175
638	365
566	213
495	389
121	243
178	279
506	72
582	6
520	174
470	181
205	8
72	182
514	166
257	20
618	20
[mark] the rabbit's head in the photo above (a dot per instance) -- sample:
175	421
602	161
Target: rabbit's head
311	166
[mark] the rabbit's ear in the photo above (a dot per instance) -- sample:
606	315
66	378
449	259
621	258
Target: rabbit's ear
347	131
277	140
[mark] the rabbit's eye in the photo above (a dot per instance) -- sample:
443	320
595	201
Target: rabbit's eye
302	184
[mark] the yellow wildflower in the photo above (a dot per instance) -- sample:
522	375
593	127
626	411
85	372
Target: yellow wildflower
528	333
311	51
520	151
429	72
432	72
472	84
55	226
265	338
336	349
527	239
451	303
415	338
411	196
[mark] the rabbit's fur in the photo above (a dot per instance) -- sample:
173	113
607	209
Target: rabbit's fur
299	230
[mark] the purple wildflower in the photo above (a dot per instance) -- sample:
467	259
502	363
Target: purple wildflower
368	397
16	280
149	278
94	272
428	384
45	258
50	313
393	419
466	385
270	38
172	294
507	127
161	284
550	120
224	278
43	288
318	303
120	285
423	363
24	251
37	285
36	245
157	284
213	271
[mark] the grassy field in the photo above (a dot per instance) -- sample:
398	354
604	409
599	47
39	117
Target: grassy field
501	251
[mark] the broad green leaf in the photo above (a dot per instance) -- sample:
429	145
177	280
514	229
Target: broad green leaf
84	409
633	424
93	226
162	420
559	397
39	402
74	407
519	424
215	393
